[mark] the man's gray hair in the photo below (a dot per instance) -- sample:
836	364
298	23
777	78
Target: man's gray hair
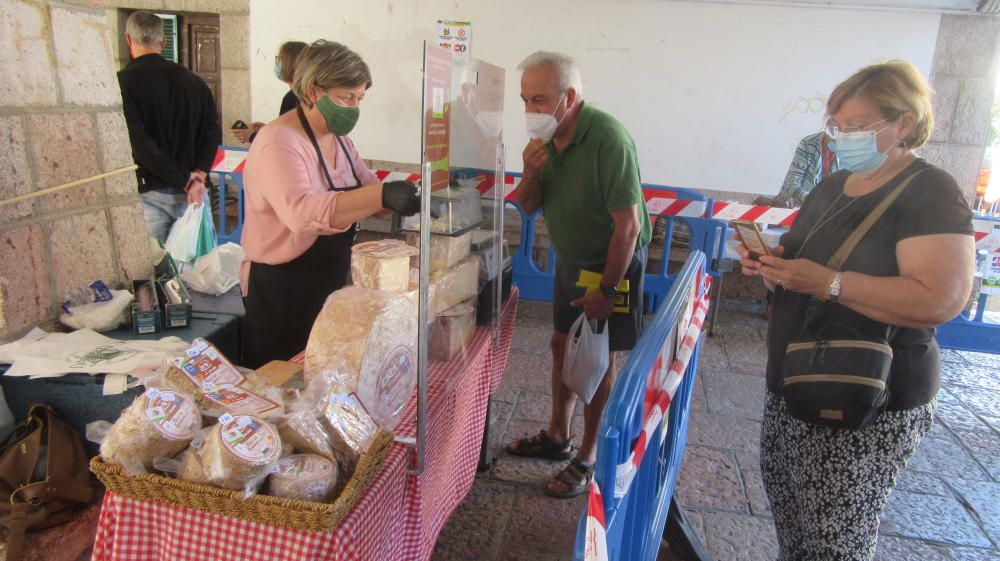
145	28
567	72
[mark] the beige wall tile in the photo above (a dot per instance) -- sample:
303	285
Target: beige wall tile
29	76
129	229
15	177
82	45
24	279
81	251
63	149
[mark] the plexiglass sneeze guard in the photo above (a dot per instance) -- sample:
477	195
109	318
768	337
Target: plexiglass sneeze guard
462	187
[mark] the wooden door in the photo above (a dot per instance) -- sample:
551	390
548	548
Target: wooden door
201	51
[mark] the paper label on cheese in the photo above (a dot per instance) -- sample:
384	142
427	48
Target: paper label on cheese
396	368
207	368
240	401
305	467
174	416
250	439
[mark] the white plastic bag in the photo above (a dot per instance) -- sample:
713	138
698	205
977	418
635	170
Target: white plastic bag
587	357
99	316
216	272
193	234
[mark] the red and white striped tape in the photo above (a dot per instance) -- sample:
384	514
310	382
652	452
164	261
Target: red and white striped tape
659	202
662	387
596	546
229	161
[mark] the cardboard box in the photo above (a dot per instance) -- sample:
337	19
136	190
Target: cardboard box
148	321
175	314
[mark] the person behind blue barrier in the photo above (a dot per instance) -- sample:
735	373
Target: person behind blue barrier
834	440
581	168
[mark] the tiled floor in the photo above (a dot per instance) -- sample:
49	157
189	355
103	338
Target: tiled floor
946	506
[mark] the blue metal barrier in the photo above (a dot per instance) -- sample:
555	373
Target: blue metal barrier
226	178
969	332
634	522
707	235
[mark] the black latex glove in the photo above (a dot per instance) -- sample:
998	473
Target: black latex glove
401	197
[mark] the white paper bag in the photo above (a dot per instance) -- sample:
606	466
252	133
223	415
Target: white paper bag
587	357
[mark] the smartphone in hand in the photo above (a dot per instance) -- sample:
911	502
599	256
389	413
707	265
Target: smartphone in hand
753	238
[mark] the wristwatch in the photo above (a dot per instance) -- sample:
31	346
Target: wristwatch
610	291
834	288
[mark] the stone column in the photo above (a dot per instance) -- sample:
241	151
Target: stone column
963	75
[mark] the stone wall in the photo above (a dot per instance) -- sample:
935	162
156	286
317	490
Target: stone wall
61	120
963	75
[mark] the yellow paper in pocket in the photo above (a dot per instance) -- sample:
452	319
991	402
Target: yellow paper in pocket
592	282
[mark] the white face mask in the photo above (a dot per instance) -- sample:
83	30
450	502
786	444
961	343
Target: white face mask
490	123
543	125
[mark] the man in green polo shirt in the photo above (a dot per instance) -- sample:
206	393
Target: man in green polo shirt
581	169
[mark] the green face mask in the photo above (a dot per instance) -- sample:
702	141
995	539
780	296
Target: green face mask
339	119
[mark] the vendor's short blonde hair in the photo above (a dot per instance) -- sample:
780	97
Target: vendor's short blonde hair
327	64
894	87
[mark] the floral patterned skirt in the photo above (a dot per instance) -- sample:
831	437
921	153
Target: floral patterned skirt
827	486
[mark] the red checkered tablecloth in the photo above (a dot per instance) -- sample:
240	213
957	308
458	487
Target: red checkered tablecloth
399	516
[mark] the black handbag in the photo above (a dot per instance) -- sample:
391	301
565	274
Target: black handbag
832	375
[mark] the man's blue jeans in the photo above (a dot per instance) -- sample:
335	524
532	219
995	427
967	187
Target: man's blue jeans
161	210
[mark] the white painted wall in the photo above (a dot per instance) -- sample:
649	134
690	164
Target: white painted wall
716	95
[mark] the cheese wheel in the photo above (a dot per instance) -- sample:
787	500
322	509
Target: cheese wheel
306	477
368	338
239	452
157	424
382	265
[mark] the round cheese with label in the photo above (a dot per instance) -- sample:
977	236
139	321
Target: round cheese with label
157	424
239	451
306	477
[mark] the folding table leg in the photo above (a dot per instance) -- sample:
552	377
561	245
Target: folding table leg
485	462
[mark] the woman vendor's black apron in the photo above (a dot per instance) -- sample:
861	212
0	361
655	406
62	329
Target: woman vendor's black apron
283	300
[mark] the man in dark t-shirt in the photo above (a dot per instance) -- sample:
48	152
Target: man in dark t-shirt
173	126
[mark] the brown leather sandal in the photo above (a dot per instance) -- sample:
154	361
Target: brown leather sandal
572	481
541	445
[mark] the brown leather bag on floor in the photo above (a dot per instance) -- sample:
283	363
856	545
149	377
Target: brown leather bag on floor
44	476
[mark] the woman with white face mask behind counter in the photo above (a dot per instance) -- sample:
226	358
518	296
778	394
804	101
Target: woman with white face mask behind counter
306	189
828	481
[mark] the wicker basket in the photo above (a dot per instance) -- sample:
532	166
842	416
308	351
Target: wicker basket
273	511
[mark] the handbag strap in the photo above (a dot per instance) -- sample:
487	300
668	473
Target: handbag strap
852	241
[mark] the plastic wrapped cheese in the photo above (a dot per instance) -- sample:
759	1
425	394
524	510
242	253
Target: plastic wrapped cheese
348	424
382	265
446	251
306	477
367	337
451	330
305	433
239	452
451	287
157	424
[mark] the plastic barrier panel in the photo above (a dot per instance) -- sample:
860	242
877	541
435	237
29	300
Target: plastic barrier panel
674	204
643	431
228	167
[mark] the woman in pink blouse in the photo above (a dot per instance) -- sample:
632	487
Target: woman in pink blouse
306	189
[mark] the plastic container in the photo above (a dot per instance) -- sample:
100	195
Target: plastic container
454	211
